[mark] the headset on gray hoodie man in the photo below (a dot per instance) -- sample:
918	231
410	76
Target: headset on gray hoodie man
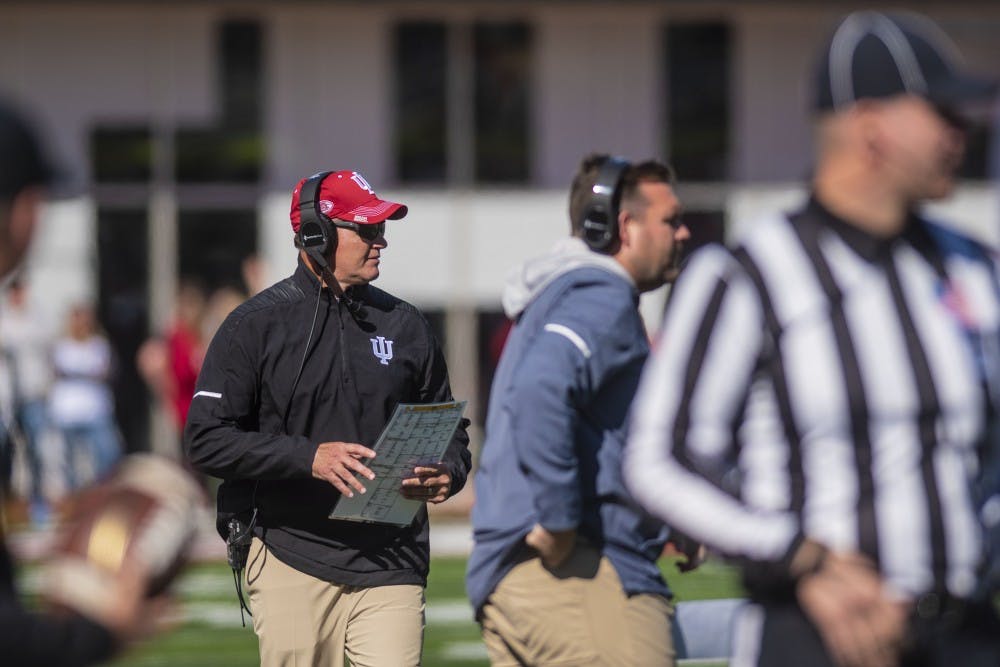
600	220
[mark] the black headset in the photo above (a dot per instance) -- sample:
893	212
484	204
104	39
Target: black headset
600	219
316	234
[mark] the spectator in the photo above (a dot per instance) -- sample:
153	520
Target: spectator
185	349
81	403
26	340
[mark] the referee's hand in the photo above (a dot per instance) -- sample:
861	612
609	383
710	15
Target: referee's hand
337	463
861	625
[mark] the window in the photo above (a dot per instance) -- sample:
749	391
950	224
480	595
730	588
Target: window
420	58
121	154
502	91
240	57
232	151
212	244
214	155
462	102
697	122
123	310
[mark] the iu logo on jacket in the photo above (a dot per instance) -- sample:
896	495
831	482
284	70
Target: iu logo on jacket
382	349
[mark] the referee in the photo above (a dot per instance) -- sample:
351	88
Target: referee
839	358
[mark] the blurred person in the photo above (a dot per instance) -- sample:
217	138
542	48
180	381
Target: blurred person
81	403
296	387
9	435
28	637
26	340
254	272
221	303
564	567
185	348
989	482
153	363
844	358
169	362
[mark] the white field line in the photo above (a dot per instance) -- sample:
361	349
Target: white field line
465	651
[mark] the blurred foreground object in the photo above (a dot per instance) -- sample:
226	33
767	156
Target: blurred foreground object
139	521
143	517
839	363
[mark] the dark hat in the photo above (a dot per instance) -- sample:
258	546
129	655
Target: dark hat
875	55
22	161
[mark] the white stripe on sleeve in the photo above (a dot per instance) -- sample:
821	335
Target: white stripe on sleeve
208	394
573	336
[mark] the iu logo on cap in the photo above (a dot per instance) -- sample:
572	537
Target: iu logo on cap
362	183
382	349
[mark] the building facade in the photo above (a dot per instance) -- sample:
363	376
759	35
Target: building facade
183	126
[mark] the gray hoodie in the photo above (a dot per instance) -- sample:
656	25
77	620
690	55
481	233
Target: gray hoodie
554	429
524	282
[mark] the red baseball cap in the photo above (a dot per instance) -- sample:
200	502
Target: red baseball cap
346	195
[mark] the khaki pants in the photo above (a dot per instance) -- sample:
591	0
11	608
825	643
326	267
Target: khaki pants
302	621
576	614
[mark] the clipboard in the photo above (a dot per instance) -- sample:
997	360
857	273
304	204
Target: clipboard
415	434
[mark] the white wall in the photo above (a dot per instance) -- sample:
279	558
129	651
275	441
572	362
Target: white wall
772	66
451	249
598	88
328	85
455	249
60	265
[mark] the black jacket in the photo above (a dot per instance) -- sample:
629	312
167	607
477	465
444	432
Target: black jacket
246	427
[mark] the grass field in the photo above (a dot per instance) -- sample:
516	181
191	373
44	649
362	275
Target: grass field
209	634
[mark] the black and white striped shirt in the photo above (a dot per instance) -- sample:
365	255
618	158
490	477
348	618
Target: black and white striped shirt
842	377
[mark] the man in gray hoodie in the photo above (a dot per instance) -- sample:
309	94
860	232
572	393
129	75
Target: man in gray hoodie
564	565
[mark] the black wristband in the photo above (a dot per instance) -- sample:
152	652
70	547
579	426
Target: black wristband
813	567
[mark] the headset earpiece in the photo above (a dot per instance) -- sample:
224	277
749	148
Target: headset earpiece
316	234
600	221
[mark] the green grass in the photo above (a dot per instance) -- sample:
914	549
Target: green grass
209	635
713	580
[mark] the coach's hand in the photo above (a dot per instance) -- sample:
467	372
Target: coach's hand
336	462
554	547
692	552
430	483
860	624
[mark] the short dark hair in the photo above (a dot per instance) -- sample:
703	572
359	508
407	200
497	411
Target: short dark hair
648	171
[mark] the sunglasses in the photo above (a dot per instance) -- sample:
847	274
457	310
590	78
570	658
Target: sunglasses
368	233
